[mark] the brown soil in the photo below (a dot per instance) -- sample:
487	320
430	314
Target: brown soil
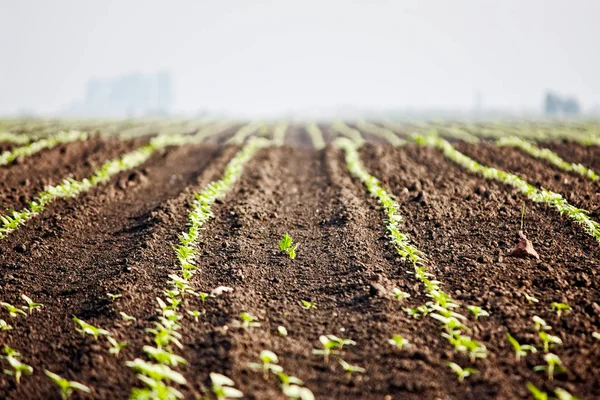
118	237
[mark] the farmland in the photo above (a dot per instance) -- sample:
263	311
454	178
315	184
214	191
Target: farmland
282	260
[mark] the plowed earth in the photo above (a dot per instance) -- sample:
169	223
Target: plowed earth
117	238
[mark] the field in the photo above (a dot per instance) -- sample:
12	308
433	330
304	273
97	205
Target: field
145	260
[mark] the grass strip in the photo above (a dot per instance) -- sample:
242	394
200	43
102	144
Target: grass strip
240	136
316	136
63	137
15	138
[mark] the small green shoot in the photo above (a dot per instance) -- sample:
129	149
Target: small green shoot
285	244
540	324
559	308
115	346
478	311
203	296
12	310
269	360
66	387
248	321
89	329
562	394
282	330
595	335
537	393
164	357
307	305
399	342
552	363
194	313
520	349
114	297
549	340
331	345
126	317
399	294
31	305
530	299
350	369
4	326
223	388
460	372
19	368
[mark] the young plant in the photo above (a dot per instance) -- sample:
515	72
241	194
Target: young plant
4	326
558	308
31	305
478	311
349	369
552	363
248	321
194	313
520	349
66	387
203	296
399	342
285	244
223	388
460	372
399	294
85	328
269	360
549	340
18	368
595	335
540	324
537	393
307	305
114	297
562	394
12	310
331	345
164	357
530	299
126	317
282	330
115	346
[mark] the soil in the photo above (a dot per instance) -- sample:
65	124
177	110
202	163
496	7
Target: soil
117	238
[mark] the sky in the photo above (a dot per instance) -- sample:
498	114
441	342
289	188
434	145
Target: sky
257	58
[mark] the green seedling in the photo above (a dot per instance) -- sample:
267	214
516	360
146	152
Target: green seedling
4	326
66	387
164	357
530	299
562	394
282	330
399	294
553	363
549	340
114	297
85	328
18	368
156	372
349	369
559	308
126	317
194	313
203	296
248	321
296	392
540	324
12	310
331	345
115	346
31	305
460	372
10	352
399	342
223	388
285	244
478	311
520	349
307	305
416	312
156	390
537	393
269	360
595	335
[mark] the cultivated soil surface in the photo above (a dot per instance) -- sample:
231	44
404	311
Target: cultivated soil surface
117	238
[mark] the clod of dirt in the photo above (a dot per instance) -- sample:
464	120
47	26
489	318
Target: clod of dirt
220	290
377	290
524	248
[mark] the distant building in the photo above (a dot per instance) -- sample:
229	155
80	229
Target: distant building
126	96
556	105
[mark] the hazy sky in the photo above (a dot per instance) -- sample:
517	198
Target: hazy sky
262	57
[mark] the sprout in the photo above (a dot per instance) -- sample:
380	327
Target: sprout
31	305
558	308
164	357
282	330
530	299
399	294
417	312
307	305
248	321
66	387
157	372
285	244
540	324
115	347
552	363
194	313
399	342
12	310
4	326
90	329
114	297
296	392
223	388
595	335
460	372
520	350
331	345
562	394
349	369
19	368
478	311
548	339
269	361
126	317
203	296
536	393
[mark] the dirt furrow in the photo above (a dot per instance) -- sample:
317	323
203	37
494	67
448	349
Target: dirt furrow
576	153
116	238
21	181
467	226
